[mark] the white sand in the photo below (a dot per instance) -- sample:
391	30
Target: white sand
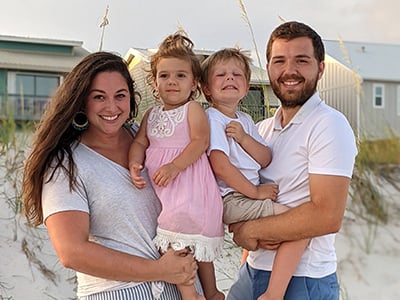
368	265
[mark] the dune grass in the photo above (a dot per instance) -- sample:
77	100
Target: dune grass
376	159
379	153
13	140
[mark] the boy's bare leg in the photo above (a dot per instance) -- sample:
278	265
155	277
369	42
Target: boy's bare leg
245	253
207	278
285	263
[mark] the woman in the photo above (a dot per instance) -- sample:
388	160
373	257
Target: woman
76	181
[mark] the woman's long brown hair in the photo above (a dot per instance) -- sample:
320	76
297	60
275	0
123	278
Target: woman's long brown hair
55	135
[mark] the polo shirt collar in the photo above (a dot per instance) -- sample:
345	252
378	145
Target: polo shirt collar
303	112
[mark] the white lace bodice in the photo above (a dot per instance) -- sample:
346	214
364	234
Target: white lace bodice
163	122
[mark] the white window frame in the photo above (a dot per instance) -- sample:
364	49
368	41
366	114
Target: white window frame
375	86
398	100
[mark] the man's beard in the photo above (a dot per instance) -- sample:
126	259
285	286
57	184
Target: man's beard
292	99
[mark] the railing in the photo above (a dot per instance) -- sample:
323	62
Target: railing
22	108
257	112
30	108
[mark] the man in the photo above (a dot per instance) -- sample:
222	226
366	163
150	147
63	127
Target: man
313	149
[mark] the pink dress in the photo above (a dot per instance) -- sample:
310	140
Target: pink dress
192	207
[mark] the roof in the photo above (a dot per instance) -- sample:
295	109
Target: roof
258	75
33	40
19	58
40	61
372	61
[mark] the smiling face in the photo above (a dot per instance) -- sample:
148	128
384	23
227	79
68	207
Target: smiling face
174	81
108	103
294	71
227	83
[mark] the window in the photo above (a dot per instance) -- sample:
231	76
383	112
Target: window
378	96
30	92
36	85
253	102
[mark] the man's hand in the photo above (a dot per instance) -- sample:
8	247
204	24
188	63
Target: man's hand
241	238
268	245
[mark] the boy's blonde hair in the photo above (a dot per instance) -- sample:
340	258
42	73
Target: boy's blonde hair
176	45
223	55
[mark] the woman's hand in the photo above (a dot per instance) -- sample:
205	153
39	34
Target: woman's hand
178	267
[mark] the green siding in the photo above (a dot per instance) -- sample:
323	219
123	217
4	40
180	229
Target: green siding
8	45
3	82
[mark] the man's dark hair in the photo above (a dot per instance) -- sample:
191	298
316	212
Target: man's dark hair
291	30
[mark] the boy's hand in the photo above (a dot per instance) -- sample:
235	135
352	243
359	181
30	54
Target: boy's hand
136	176
267	191
235	130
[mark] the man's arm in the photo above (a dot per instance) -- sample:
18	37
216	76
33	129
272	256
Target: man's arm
323	214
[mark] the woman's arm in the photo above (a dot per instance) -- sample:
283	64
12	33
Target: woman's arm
69	234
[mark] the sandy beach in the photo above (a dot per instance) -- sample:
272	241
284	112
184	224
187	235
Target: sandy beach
368	257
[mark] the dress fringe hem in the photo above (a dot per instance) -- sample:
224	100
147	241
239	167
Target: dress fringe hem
204	249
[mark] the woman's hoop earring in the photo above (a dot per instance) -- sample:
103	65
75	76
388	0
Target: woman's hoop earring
80	121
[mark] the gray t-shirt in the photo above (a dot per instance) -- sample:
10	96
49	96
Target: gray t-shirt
122	217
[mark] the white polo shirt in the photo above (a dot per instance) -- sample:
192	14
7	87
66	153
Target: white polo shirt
318	140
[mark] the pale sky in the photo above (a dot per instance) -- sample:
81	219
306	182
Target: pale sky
211	24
